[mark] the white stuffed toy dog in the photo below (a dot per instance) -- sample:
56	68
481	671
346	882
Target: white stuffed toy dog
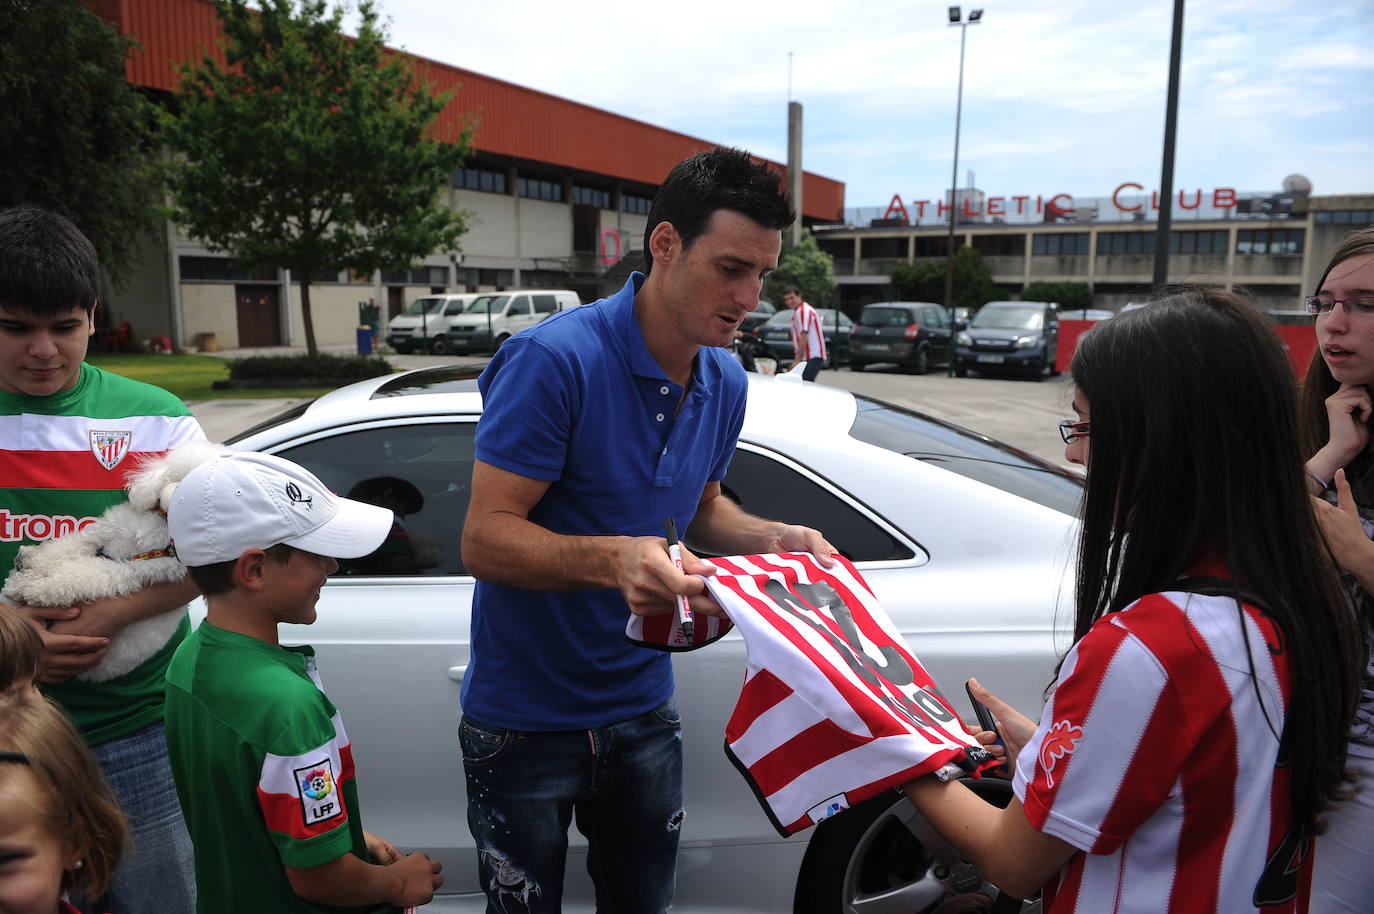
120	553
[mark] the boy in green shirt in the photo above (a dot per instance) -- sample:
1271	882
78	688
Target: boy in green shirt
263	766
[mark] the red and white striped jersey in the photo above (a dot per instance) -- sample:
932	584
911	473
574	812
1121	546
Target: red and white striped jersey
835	708
806	319
1158	757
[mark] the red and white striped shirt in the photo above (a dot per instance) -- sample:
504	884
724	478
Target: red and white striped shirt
835	708
806	319
1157	756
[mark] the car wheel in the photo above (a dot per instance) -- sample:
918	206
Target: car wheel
439	345
960	371
920	362
856	366
883	855
1054	365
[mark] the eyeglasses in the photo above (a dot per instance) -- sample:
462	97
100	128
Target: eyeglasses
1073	429
1322	304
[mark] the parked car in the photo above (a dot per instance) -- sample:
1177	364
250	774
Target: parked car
424	323
915	335
491	319
776	332
758	316
1015	335
963	539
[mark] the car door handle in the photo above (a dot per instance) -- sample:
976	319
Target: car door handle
456	673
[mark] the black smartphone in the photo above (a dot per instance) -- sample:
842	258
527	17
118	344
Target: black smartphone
985	718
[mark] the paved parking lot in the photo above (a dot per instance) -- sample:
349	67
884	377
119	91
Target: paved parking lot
1020	412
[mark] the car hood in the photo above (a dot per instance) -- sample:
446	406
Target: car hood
991	333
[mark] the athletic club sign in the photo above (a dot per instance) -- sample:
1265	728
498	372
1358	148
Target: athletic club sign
972	207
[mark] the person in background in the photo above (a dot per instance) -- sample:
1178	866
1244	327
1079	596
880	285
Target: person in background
77	433
61	828
600	423
1336	411
808	336
1196	730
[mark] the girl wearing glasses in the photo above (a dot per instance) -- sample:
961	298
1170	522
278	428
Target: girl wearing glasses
1197	727
1335	413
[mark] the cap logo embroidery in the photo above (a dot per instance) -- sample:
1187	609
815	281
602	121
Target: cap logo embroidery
109	447
294	493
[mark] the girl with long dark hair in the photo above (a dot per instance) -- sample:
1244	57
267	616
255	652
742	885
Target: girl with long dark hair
1196	729
1335	428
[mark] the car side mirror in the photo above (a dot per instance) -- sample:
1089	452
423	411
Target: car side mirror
960	324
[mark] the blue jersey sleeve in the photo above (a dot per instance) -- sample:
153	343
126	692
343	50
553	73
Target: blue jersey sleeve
528	407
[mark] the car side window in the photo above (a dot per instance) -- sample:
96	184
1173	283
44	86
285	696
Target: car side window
454	307
421	472
766	487
545	304
519	306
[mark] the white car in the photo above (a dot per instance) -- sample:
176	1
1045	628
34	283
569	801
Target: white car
966	542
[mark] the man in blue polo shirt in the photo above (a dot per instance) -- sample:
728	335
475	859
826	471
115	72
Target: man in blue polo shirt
598	424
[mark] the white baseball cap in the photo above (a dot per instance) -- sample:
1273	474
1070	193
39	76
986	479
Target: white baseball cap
240	501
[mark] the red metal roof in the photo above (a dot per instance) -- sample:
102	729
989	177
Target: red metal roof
512	120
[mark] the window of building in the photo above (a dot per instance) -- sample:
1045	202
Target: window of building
591	196
221	269
1269	241
1213	242
634	203
1354	217
1109	243
932	245
1000	245
1060	243
419	276
882	247
483	179
537	189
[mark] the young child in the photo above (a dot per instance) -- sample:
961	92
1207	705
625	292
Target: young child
263	767
61	828
21	653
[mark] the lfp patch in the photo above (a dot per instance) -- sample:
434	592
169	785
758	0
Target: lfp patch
318	791
827	808
109	447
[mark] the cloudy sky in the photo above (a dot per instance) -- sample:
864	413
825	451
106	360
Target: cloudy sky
1059	95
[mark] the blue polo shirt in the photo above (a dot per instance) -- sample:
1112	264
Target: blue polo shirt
579	402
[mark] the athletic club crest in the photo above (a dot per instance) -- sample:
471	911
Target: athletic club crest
110	447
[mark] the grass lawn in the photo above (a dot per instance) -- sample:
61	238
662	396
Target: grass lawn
188	376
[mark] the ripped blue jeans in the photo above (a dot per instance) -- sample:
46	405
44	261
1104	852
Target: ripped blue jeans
621	784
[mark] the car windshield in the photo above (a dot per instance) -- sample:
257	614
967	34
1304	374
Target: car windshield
967	453
886	317
483	304
1007	319
424	306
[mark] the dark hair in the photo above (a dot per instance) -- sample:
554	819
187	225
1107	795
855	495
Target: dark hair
791	290
21	651
46	265
1318	384
388	490
719	178
1194	451
219	577
66	782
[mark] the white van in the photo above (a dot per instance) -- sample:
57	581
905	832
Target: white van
494	317
425	322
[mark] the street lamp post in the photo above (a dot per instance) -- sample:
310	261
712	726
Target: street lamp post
956	18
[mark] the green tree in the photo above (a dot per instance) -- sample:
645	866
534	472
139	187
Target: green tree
924	281
311	150
973	285
76	135
1069	295
807	267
